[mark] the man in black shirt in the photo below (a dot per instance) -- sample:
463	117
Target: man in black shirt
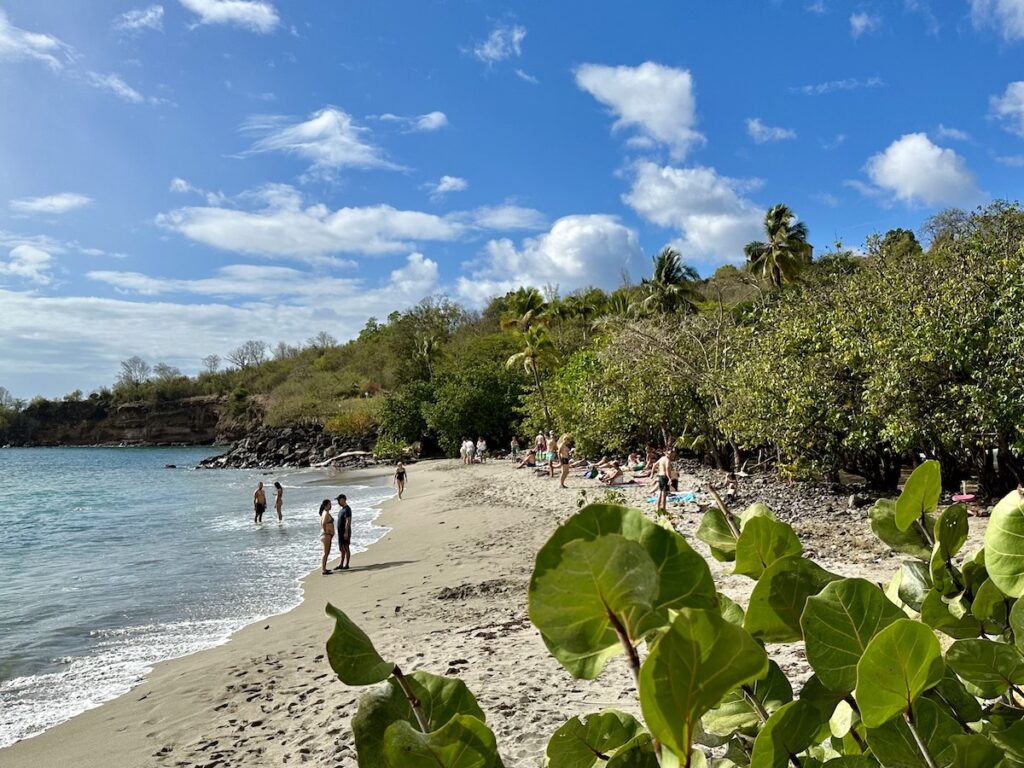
344	524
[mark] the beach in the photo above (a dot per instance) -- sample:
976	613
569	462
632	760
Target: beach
443	591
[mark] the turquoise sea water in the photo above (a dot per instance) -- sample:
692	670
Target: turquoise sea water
109	563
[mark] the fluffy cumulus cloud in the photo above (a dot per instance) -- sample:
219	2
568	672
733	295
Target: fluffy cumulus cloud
1009	108
446	185
913	170
504	42
863	22
763	134
50	204
1006	16
330	140
26	262
712	214
283	226
253	15
137	19
18	44
577	251
656	100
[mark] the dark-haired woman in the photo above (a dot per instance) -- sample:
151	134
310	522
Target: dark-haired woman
326	533
279	501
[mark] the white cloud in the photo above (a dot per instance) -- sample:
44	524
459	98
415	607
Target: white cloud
914	170
763	134
283	226
181	186
1009	108
504	42
578	251
253	15
28	263
138	19
527	77
863	22
329	139
953	134
115	85
1006	16
831	86
1011	161
50	204
447	184
432	121
18	45
656	100
506	217
711	212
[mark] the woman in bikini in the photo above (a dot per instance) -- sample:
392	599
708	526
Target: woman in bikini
326	533
564	457
279	501
400	478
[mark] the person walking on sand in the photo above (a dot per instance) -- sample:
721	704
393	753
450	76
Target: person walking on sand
400	478
279	500
564	446
326	533
344	532
259	503
663	471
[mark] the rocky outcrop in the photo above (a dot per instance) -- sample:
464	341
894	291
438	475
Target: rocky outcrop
290	447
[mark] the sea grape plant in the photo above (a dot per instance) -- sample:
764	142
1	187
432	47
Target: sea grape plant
925	672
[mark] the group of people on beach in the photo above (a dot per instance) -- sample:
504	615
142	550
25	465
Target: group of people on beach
473	453
259	502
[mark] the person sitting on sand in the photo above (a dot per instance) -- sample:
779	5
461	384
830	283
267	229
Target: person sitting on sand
540	445
259	503
344	532
613	475
564	448
326	533
663	471
279	500
529	461
400	478
732	487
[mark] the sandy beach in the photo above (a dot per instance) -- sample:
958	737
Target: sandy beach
443	591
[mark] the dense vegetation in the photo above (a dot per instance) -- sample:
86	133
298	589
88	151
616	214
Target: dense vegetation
611	583
862	362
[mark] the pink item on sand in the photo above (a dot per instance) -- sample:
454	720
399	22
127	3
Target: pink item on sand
964	497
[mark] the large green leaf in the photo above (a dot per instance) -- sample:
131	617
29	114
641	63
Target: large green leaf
351	654
951	618
590	741
763	541
597	587
715	531
952	693
737	713
838	623
440	699
894	745
1004	545
691	668
899	664
1017	623
992	607
911	541
987	668
777	601
638	753
1011	741
920	495
788	732
951	530
915	581
974	751
684	579
462	742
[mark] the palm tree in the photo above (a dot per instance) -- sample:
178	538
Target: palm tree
537	354
670	288
524	308
786	252
586	307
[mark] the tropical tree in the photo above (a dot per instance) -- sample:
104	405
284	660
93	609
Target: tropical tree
785	253
538	353
671	287
586	307
524	308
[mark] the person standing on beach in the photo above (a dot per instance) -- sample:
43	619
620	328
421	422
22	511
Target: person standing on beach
326	534
400	478
514	445
662	471
259	503
481	450
279	501
344	532
564	457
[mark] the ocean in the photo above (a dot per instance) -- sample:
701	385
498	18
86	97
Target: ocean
110	562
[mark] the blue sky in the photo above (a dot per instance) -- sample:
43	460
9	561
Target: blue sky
178	177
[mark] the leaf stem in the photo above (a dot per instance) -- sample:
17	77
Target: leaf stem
729	518
924	529
414	702
633	660
762	714
908	717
